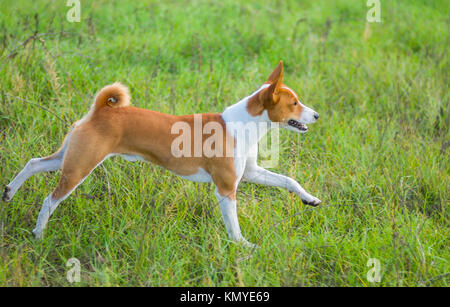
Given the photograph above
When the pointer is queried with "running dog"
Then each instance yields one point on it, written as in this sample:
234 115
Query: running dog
113 127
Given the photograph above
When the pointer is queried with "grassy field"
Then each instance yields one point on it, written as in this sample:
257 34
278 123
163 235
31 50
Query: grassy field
377 158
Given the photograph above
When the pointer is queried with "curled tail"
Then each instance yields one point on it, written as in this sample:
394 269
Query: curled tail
115 95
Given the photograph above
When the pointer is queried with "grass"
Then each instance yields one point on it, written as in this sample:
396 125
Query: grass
377 158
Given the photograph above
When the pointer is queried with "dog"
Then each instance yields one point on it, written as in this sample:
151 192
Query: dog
113 127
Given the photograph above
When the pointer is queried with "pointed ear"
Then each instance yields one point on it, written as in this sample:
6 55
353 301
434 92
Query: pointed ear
276 80
276 74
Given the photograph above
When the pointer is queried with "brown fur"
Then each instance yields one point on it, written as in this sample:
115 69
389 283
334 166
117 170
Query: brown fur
115 95
131 130
112 126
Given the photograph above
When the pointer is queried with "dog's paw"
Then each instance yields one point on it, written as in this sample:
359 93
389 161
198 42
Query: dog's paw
241 241
311 201
37 234
248 244
6 197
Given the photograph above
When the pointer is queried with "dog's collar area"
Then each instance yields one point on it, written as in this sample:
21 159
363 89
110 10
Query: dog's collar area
298 125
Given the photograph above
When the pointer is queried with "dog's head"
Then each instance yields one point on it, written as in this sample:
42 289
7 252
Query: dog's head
281 104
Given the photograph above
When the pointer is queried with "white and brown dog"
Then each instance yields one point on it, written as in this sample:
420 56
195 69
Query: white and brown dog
113 127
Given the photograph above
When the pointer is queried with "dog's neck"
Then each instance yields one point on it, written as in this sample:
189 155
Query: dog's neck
238 113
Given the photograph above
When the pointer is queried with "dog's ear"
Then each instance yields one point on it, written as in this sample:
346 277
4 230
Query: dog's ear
276 80
276 74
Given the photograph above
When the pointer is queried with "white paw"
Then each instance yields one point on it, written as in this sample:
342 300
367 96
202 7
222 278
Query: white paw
37 234
247 244
310 200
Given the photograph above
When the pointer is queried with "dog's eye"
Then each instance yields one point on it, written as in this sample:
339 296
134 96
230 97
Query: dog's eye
295 103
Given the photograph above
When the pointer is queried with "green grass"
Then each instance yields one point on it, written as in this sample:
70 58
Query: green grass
377 158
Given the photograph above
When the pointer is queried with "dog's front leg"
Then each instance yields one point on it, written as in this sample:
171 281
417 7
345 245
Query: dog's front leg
228 208
257 174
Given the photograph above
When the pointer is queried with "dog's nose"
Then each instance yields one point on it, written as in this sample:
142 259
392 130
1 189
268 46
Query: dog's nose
316 115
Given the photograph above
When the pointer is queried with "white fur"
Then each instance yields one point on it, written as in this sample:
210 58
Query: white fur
33 166
50 204
290 90
246 166
200 176
307 116
132 158
229 214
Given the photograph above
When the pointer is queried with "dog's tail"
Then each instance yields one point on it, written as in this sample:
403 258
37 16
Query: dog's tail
115 95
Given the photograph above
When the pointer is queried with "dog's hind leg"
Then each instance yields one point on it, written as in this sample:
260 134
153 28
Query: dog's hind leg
83 155
34 166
